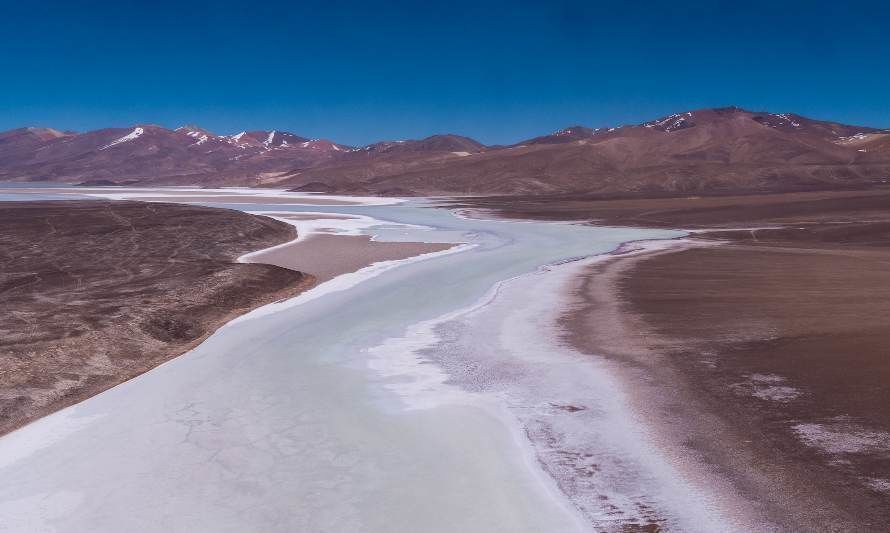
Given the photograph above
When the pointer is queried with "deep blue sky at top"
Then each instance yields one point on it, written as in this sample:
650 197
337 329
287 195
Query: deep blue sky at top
356 72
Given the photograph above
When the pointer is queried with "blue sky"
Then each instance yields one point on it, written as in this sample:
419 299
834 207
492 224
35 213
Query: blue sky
499 72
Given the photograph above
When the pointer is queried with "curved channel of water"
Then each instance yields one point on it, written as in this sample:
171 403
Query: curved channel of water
423 396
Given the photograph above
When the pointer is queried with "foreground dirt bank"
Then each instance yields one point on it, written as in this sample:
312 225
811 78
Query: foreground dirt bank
767 366
93 293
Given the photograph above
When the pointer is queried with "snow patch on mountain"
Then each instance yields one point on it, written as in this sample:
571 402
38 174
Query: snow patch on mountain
135 134
201 139
268 142
786 117
853 138
321 144
674 122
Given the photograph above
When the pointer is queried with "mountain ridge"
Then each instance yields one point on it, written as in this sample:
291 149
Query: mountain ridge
711 150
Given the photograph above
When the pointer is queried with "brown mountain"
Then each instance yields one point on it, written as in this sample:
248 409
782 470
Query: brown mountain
26 139
351 170
709 151
151 154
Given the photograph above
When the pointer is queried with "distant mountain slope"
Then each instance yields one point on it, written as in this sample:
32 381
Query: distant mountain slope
707 151
704 151
386 158
152 154
26 140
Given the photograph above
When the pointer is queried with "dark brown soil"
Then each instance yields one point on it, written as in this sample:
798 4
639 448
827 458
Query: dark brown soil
770 337
93 293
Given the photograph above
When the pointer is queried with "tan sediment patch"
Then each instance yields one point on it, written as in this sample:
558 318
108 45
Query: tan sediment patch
328 256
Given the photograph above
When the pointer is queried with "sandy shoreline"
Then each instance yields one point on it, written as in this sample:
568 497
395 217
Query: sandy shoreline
598 326
572 406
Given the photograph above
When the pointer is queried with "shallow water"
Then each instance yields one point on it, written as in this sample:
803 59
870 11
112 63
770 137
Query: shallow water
372 403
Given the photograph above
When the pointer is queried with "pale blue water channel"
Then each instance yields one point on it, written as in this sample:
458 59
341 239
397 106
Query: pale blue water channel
319 414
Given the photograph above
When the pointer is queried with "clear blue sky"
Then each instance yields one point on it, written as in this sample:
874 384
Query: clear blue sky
499 72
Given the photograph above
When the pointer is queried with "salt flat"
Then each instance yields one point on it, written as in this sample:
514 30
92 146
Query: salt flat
345 408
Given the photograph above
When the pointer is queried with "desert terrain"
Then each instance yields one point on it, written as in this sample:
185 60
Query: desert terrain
420 267
752 347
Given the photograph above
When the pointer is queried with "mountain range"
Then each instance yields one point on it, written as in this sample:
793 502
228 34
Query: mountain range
709 151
